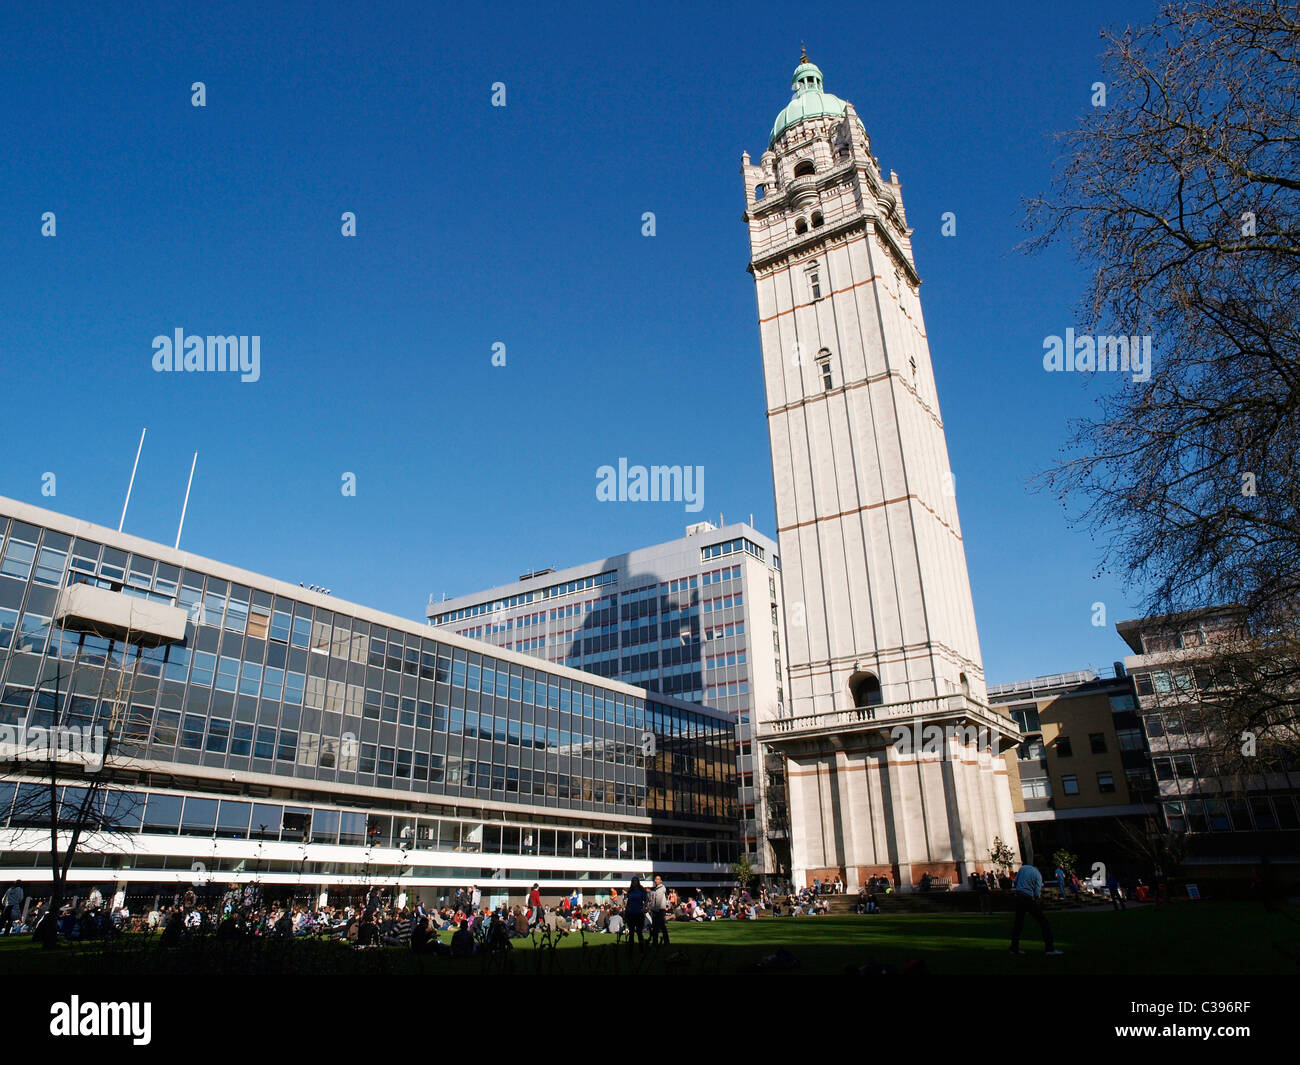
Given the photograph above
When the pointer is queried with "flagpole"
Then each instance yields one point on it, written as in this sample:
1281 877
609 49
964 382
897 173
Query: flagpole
138 449
185 505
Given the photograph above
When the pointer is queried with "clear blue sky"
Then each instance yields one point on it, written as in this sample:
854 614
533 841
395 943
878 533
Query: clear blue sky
519 225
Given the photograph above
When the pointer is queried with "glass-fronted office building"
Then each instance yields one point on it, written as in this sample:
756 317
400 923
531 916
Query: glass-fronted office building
257 731
699 618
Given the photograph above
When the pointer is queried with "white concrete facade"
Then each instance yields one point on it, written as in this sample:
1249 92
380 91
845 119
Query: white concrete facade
876 587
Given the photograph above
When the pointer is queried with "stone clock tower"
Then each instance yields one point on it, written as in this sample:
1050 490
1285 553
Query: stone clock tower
891 746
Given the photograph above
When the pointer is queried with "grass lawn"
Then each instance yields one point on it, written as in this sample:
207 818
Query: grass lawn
1206 937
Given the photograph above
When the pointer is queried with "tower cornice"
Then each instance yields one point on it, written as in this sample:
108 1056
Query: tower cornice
830 235
823 397
779 197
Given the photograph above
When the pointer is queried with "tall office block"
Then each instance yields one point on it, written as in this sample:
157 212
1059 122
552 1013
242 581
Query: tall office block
697 618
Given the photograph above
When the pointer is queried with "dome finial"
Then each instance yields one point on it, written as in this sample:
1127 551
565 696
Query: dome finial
803 53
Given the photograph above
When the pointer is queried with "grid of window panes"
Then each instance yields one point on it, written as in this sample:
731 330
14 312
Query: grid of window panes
684 635
728 547
554 590
661 636
270 684
1186 772
1240 813
155 812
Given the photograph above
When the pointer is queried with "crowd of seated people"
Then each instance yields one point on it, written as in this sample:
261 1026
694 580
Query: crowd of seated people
739 906
807 902
375 920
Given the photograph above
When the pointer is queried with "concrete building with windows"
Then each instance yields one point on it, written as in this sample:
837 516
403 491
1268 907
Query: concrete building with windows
253 731
697 618
1234 820
1081 767
880 622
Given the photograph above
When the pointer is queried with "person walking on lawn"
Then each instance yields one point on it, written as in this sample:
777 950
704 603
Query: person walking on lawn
1028 889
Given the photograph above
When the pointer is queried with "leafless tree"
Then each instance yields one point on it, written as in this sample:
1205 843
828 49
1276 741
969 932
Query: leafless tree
1182 196
95 813
1156 849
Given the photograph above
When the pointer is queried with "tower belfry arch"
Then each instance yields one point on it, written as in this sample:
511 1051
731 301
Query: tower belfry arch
873 562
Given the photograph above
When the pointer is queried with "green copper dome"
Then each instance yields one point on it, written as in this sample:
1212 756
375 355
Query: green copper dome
810 101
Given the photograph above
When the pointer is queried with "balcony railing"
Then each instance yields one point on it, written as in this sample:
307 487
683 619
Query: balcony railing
865 717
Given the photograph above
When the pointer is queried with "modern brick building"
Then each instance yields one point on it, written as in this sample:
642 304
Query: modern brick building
1081 767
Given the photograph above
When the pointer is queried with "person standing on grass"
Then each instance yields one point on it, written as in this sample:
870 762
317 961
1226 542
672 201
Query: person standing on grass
634 912
13 904
1116 895
534 906
659 913
1028 889
1060 881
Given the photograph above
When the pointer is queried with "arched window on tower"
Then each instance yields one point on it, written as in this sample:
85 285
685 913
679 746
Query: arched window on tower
801 225
817 219
824 368
865 690
760 191
814 281
804 168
